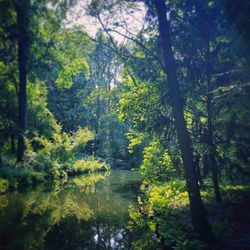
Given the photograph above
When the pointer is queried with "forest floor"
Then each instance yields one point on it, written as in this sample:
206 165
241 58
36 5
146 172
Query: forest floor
231 219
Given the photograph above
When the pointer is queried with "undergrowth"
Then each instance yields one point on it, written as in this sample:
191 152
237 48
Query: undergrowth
48 159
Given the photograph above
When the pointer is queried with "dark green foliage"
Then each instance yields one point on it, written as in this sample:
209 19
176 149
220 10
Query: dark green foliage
19 177
174 105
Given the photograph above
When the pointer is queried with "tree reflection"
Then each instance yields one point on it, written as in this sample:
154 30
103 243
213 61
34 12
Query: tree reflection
30 216
90 212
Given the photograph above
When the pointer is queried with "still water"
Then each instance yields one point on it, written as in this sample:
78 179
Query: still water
89 212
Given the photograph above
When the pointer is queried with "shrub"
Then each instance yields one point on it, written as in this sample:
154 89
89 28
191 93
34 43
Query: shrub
163 211
20 176
92 165
157 165
4 185
55 156
53 159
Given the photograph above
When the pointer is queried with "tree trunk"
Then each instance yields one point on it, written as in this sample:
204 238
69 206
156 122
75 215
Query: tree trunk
210 141
1 160
97 139
12 141
198 170
198 213
22 64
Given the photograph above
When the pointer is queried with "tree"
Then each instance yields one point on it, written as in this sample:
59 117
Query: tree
22 11
197 209
209 108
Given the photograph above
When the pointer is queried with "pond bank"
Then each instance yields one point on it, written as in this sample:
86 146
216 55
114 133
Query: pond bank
90 211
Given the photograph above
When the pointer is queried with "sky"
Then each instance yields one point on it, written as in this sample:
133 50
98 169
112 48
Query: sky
131 17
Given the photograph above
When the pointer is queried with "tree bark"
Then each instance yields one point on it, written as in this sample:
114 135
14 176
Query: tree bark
1 160
22 99
97 139
210 139
12 141
22 65
197 209
205 29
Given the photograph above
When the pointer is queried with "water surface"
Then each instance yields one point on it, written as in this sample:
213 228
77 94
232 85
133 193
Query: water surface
89 212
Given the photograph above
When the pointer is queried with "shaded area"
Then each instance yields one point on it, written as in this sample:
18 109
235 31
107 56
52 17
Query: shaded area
160 224
91 212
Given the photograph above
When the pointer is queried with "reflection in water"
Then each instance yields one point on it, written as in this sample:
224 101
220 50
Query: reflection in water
90 212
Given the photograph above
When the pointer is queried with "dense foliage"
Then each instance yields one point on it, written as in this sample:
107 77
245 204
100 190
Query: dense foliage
171 99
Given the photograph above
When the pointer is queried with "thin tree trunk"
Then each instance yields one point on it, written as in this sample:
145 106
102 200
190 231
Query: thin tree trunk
210 140
1 160
22 96
13 146
22 99
198 213
198 170
97 139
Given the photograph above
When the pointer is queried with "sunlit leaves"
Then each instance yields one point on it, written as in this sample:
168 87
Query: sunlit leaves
65 77
81 137
157 165
135 138
141 104
89 166
3 69
56 155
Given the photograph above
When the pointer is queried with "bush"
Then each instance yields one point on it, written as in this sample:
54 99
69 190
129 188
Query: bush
19 177
55 156
4 185
157 165
163 211
93 165
163 204
53 159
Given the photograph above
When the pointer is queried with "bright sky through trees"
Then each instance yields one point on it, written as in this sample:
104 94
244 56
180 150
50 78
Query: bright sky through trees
127 21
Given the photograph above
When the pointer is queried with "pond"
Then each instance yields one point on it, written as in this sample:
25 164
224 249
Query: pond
88 212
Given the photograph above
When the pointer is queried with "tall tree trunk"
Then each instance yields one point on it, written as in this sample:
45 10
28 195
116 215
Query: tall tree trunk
22 65
97 139
205 29
1 160
12 141
22 99
198 213
210 140
198 170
